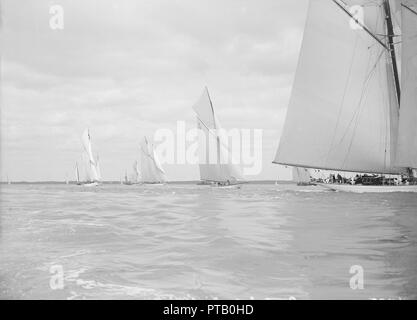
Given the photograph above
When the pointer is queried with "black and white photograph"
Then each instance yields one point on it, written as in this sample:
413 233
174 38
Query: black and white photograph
204 150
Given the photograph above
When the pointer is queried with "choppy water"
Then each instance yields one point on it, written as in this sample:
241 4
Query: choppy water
186 241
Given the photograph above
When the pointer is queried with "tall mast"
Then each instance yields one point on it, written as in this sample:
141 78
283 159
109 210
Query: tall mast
391 35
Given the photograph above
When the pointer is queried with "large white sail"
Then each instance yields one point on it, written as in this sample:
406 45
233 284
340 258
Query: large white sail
343 112
407 138
216 161
151 169
91 164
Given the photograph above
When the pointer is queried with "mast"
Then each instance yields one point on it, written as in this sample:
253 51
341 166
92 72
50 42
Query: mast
391 35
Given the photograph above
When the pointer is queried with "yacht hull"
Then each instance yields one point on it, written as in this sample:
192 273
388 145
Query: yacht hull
90 185
368 189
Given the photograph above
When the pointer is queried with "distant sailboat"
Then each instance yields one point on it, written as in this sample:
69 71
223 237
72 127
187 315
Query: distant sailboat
151 169
344 113
134 177
92 167
126 180
216 166
301 176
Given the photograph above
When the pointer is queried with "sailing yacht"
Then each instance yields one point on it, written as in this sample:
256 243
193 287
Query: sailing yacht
92 166
151 168
301 176
216 166
353 106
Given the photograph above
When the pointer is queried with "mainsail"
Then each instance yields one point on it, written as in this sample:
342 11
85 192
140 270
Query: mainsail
407 138
216 161
92 168
344 112
152 171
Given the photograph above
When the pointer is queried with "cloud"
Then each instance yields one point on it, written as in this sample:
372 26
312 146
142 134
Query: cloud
127 68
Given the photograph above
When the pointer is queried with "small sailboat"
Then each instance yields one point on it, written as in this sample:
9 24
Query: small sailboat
301 176
92 167
151 168
126 180
353 104
217 167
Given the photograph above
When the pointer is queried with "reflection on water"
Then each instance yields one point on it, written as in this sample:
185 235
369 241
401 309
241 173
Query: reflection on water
196 242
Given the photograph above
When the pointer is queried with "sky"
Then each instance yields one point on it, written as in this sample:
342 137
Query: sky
127 68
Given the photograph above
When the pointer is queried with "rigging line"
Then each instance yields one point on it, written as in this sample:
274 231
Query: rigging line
216 136
363 26
343 100
358 110
407 7
365 85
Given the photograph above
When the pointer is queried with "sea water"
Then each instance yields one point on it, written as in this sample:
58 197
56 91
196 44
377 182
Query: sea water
198 242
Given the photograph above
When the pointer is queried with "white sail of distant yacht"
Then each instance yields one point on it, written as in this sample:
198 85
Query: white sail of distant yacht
98 168
92 169
151 169
216 161
77 173
301 176
136 173
349 110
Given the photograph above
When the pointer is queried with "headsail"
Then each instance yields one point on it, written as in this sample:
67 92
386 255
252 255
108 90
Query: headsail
152 171
216 161
343 112
136 172
407 137
301 175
